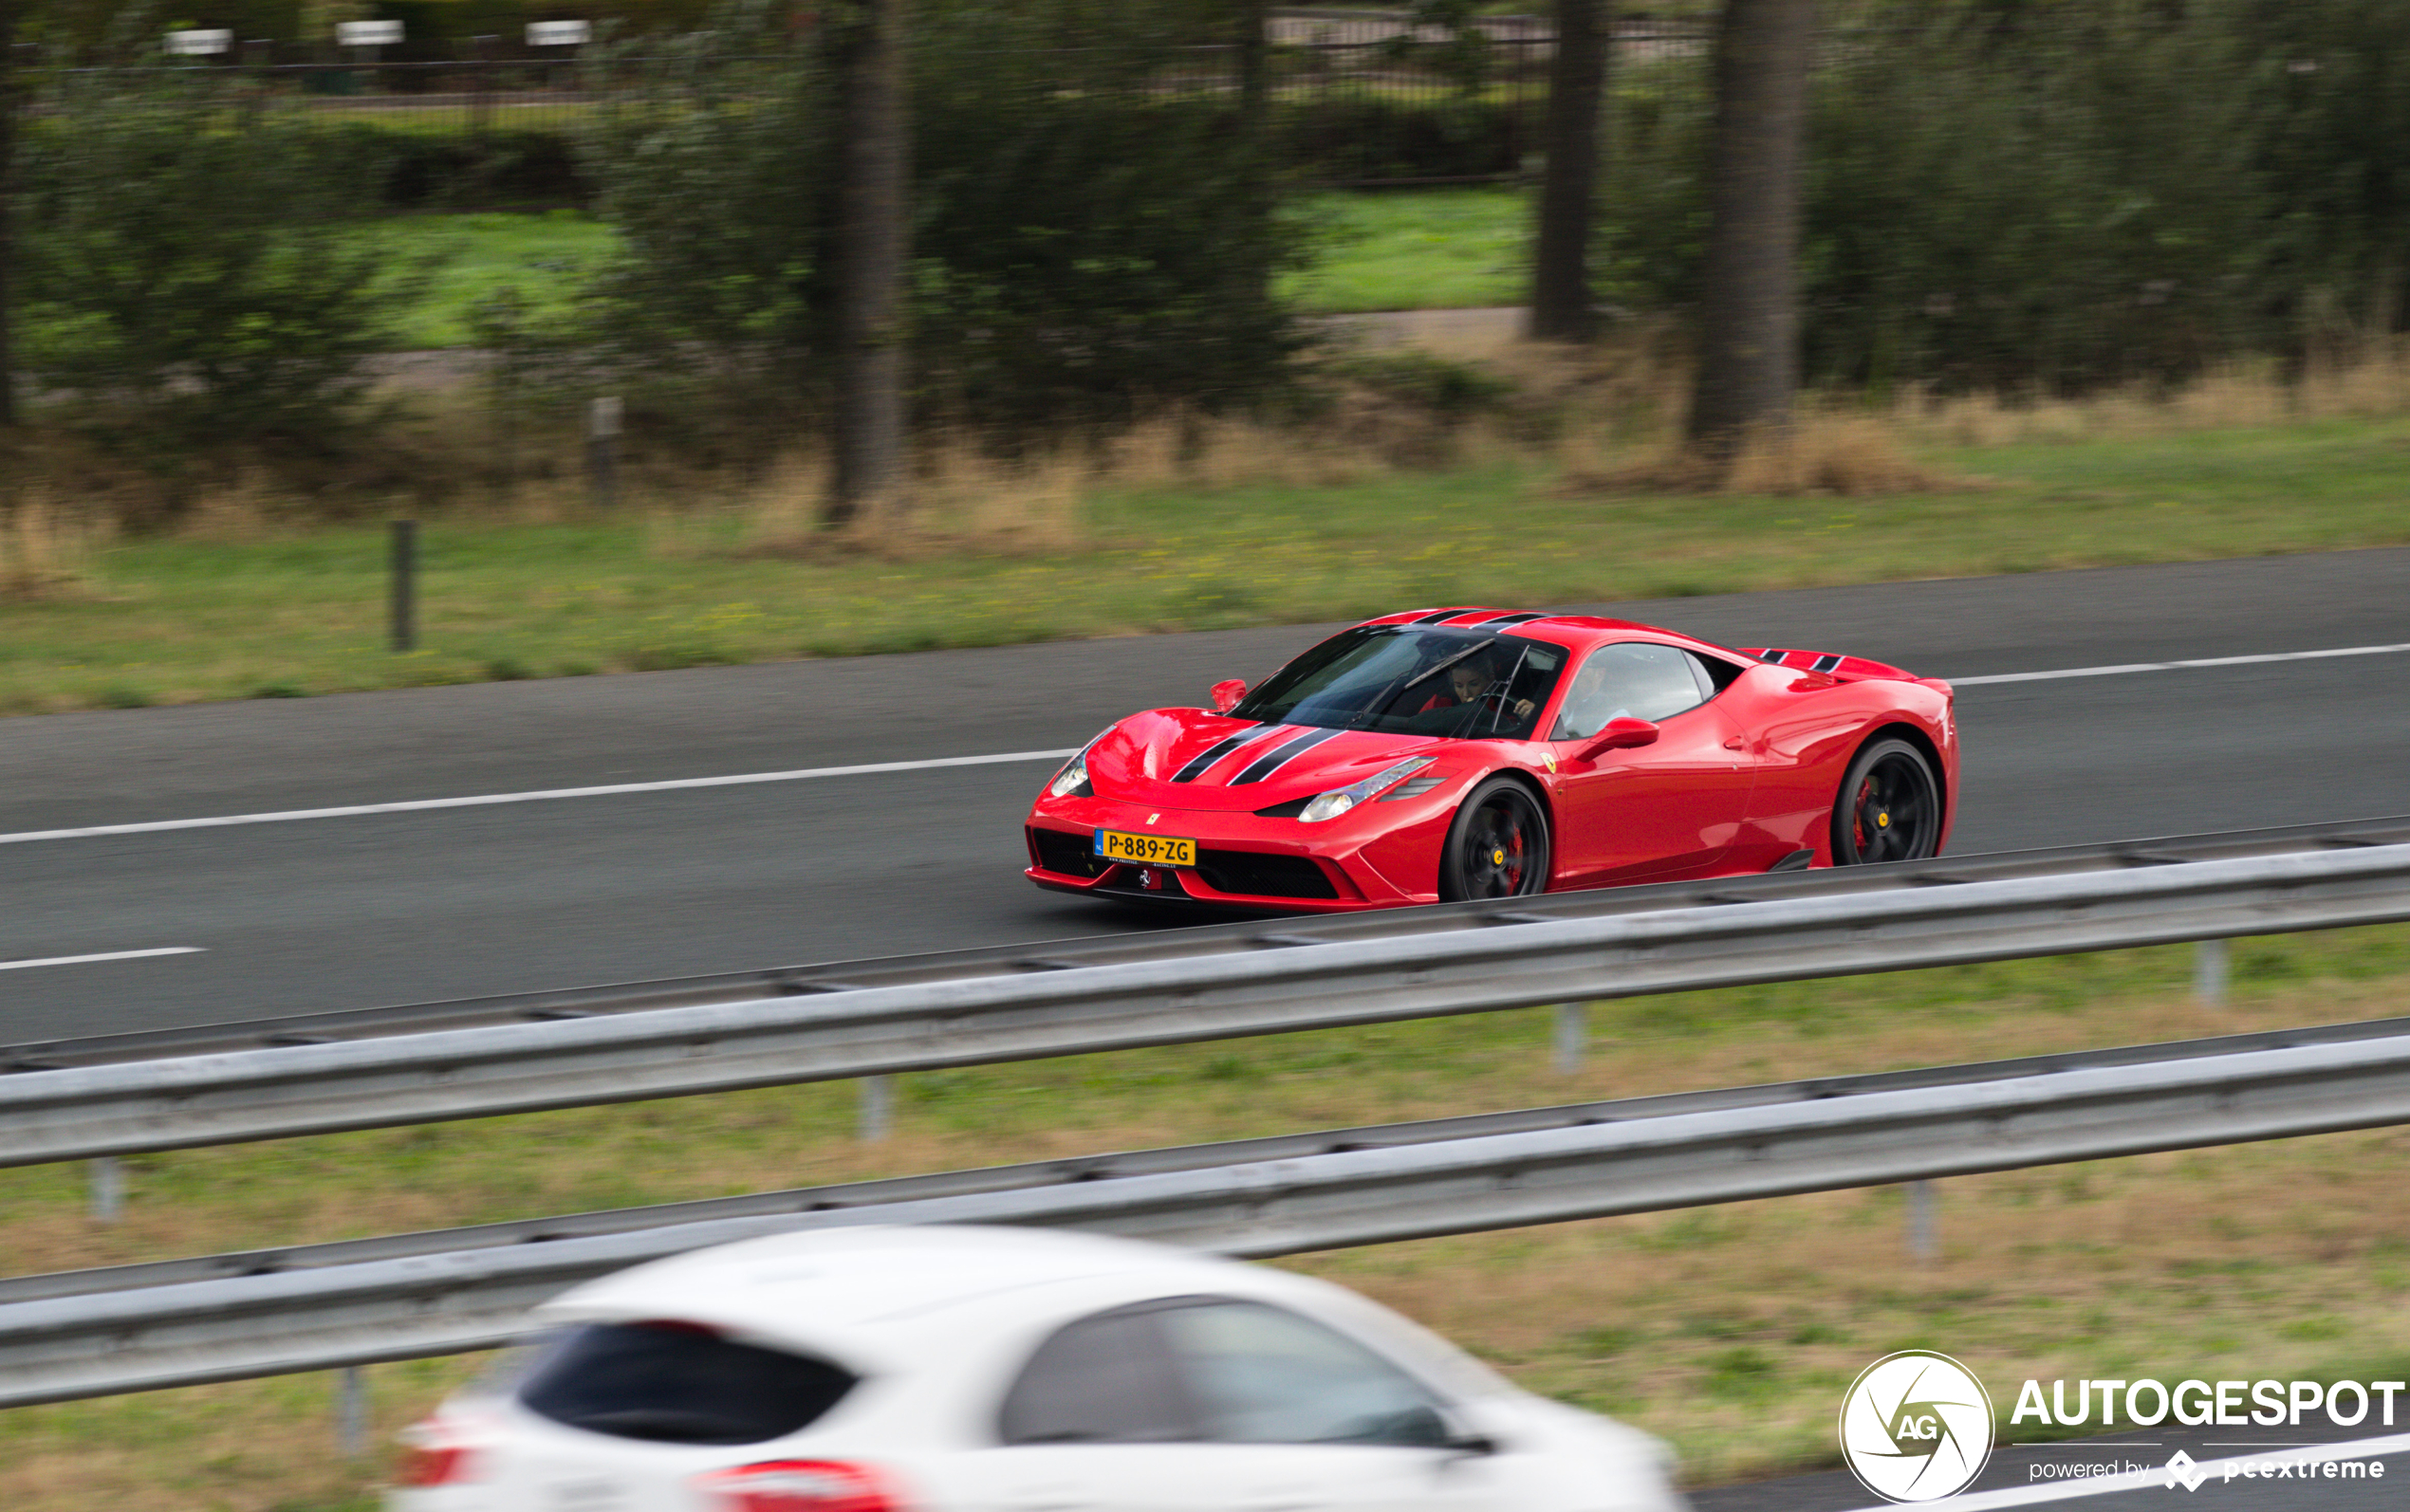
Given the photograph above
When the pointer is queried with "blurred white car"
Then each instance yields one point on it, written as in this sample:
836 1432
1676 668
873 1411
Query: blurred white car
992 1370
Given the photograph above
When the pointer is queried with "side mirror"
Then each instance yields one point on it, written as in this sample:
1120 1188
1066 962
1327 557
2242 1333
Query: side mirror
1227 693
1620 734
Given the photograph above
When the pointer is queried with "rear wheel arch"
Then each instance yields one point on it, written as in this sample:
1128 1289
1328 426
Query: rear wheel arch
1893 772
1899 730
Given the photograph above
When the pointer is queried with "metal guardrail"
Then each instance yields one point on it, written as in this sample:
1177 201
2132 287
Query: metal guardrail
1078 1169
101 1336
1414 963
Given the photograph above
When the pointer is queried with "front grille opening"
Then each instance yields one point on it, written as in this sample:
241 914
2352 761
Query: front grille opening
678 1383
1260 873
1072 854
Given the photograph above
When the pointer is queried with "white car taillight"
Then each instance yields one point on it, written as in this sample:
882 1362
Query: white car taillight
799 1485
434 1453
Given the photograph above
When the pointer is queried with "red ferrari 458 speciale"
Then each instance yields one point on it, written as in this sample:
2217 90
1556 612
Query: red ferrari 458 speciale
1473 753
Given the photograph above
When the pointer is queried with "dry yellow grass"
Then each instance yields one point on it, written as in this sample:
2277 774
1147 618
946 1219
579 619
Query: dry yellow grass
45 546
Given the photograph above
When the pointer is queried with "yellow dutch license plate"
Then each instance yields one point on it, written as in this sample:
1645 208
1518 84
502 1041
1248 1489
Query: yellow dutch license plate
1147 850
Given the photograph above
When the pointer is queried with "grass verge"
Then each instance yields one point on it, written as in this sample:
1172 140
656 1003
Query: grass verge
1731 1330
241 606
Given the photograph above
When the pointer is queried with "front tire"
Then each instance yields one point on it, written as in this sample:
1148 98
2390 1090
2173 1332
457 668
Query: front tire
1889 808
1498 846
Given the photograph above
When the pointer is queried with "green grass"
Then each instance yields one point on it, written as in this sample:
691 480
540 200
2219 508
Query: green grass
1423 250
167 619
1729 1330
1410 249
484 254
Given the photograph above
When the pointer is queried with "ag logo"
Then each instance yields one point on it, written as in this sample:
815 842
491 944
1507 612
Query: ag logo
1916 1427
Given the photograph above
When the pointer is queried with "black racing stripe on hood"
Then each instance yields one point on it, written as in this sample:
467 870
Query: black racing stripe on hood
1280 755
1511 619
1213 753
1824 663
1772 655
1437 615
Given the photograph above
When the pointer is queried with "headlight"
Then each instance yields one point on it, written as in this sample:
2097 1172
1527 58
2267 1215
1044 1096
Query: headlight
1073 780
1332 805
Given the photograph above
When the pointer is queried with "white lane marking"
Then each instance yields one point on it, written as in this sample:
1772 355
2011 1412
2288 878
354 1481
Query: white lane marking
485 800
2173 666
740 779
2156 1476
105 955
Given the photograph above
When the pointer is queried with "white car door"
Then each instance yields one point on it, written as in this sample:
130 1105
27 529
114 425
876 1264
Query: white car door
1211 1405
1312 1421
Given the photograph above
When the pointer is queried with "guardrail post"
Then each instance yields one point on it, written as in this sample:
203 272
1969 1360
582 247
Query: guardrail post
602 447
1572 1033
2209 972
351 1411
1925 1245
877 1109
405 573
108 1189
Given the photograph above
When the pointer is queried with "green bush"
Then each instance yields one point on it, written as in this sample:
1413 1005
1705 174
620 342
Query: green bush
1084 250
183 269
2054 198
1368 140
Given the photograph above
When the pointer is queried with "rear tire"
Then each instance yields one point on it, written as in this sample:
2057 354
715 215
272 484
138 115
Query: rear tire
1498 846
1889 808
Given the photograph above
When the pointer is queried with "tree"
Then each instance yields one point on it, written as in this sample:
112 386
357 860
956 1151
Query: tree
7 205
874 228
1749 316
1560 263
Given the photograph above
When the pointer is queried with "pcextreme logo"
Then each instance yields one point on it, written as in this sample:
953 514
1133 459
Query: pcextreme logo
1916 1427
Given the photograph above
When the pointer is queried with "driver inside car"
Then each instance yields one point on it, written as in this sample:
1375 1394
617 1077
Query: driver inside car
1469 682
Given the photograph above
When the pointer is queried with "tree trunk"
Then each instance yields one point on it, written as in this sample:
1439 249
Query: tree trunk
1561 262
1749 319
8 209
1254 67
873 233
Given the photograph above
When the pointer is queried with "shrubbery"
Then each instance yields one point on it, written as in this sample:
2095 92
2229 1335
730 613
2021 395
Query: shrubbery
1082 249
2056 197
184 267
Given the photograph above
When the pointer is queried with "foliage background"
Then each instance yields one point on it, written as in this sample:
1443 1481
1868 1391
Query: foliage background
2029 194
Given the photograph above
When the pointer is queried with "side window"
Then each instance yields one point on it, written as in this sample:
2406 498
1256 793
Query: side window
677 1383
1719 673
1106 1379
1631 680
1261 1375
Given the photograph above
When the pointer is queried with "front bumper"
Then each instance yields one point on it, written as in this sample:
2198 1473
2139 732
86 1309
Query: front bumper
1244 861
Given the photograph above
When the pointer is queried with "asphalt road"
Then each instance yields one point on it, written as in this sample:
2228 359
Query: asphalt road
349 911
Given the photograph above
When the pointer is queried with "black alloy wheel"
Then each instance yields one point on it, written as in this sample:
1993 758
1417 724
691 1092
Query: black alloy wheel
1890 807
1498 846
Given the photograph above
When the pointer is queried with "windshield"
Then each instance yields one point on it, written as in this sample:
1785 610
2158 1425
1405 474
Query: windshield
1403 680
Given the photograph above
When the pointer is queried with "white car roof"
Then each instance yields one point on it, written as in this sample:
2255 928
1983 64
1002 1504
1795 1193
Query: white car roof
883 1295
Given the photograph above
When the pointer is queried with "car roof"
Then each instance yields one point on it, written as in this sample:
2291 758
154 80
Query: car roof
879 1297
1569 630
855 1281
